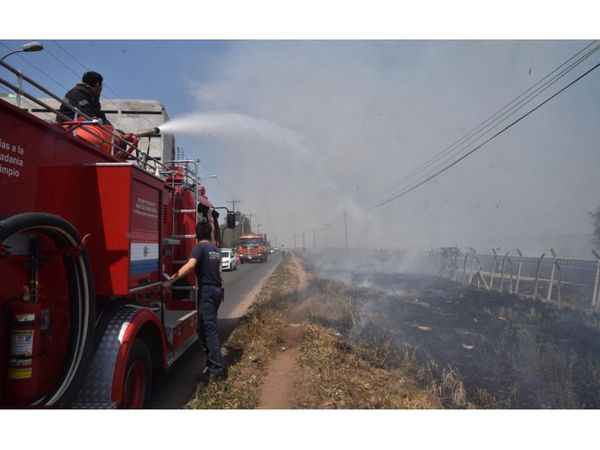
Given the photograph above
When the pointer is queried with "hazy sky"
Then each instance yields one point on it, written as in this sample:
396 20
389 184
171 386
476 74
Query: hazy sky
300 131
374 111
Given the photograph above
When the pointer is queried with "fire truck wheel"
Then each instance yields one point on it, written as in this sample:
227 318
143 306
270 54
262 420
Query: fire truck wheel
138 376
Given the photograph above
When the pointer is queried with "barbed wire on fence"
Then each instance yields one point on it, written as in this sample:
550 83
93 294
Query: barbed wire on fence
554 278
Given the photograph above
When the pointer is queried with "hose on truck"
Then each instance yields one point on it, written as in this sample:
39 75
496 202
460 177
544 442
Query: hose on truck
81 299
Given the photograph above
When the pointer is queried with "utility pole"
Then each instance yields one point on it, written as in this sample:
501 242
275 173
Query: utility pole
314 239
346 228
303 242
249 216
294 241
233 202
258 227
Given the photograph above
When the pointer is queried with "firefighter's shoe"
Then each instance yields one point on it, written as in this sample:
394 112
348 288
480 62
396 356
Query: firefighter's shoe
203 377
207 377
221 376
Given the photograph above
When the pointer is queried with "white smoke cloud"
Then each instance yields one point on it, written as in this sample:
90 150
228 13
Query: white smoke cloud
371 112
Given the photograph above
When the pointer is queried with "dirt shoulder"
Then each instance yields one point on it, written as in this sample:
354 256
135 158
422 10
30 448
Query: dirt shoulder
283 354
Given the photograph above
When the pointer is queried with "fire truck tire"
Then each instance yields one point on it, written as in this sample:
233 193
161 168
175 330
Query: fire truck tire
81 299
137 383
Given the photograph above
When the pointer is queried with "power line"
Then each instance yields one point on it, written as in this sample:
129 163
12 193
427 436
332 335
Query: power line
70 54
406 191
498 117
233 202
61 62
288 216
333 222
217 183
459 150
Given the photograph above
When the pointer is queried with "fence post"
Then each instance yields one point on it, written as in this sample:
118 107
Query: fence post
464 278
480 278
444 262
537 275
472 264
502 274
558 279
519 271
454 262
493 274
551 282
595 294
512 273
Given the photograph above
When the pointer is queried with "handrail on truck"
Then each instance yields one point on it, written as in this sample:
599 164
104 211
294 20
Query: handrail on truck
145 162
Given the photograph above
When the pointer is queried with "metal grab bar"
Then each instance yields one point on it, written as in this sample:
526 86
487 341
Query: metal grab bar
19 91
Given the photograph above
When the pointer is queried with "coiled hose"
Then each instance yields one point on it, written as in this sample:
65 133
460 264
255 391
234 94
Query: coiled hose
81 299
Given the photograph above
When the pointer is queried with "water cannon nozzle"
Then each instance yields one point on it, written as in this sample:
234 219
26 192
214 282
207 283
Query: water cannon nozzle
154 132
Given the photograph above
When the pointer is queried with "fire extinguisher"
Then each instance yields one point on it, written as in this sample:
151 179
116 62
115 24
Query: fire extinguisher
23 377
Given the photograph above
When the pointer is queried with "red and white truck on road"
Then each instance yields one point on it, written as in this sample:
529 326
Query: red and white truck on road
253 247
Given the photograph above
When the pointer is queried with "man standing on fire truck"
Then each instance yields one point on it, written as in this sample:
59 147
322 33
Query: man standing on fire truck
85 96
206 259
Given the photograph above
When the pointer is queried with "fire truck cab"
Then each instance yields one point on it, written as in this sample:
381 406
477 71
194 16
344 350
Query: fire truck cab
89 225
253 247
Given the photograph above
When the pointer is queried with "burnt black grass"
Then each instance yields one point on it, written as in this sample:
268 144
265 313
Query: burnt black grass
491 350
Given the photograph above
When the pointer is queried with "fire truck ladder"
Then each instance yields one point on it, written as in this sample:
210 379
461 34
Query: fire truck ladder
190 176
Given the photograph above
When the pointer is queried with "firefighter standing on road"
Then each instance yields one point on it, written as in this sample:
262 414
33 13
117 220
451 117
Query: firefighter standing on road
206 259
85 96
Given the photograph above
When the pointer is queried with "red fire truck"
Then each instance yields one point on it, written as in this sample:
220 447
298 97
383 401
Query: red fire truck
89 224
253 247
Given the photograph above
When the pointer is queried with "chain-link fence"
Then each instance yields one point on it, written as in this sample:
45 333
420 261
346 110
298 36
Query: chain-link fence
547 276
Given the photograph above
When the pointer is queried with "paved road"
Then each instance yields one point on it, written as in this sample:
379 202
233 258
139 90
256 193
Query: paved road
173 389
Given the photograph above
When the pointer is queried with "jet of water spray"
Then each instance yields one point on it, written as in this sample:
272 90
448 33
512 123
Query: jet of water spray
232 124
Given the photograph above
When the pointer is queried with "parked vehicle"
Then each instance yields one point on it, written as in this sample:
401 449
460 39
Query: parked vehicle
228 259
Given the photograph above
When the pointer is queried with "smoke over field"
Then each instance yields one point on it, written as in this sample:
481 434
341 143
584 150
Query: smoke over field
481 348
373 112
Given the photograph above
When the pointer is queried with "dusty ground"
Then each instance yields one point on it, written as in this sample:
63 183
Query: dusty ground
283 372
282 357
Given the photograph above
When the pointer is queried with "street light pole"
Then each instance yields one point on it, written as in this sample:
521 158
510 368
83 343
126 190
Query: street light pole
29 47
